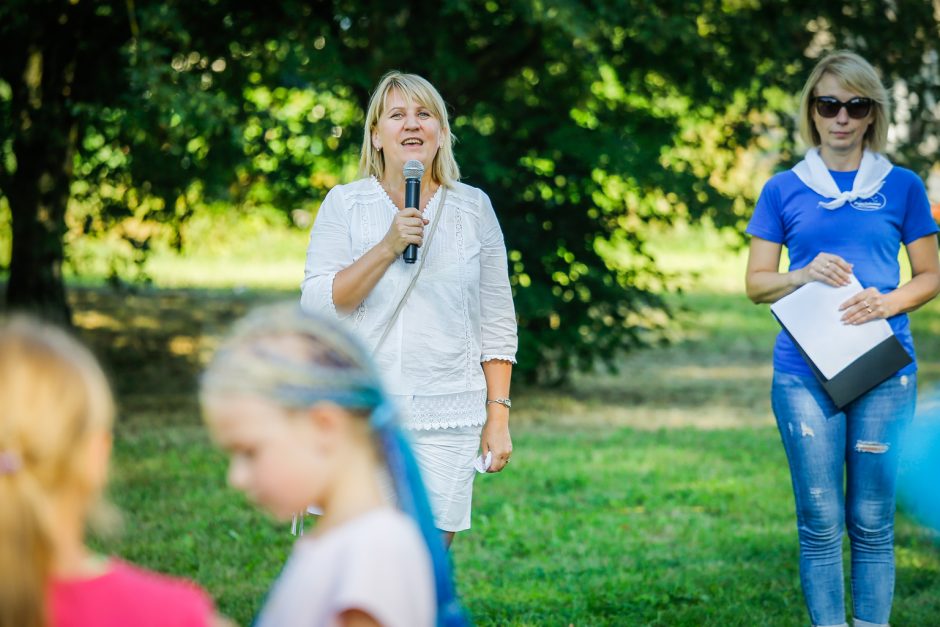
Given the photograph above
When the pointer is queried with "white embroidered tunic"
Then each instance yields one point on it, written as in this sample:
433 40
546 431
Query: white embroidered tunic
459 314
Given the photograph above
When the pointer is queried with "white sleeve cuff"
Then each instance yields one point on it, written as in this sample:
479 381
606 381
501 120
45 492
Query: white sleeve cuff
509 358
317 296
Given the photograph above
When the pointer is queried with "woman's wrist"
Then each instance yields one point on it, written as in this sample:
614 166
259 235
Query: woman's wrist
798 278
496 412
386 251
891 304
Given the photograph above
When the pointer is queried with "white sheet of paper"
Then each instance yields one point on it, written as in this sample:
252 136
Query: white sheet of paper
811 315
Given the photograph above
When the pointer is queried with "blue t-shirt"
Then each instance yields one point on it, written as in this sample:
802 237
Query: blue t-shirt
867 233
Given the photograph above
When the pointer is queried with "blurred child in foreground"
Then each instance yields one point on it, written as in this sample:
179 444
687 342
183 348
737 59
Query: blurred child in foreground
297 404
56 412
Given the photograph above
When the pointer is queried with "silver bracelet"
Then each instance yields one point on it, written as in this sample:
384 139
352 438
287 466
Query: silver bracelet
502 401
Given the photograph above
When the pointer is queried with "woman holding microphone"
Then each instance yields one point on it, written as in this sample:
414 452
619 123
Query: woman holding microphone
442 330
843 211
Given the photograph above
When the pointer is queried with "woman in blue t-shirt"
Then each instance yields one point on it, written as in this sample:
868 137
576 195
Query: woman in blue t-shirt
844 210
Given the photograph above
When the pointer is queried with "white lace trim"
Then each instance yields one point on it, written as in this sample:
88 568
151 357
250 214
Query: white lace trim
360 313
444 411
391 204
365 245
464 306
509 358
332 277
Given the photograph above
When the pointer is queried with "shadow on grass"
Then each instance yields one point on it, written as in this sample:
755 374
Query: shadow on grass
715 374
155 342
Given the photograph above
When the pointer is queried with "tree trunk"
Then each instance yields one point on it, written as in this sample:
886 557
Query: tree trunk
45 133
38 198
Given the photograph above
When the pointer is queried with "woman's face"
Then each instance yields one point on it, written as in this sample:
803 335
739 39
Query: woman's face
281 462
406 130
841 133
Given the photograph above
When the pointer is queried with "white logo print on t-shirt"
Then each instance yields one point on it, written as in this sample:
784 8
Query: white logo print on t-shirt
873 203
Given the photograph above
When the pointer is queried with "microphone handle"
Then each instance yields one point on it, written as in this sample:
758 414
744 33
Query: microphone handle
412 196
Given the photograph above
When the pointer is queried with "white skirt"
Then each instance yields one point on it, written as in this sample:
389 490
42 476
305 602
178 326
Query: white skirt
445 457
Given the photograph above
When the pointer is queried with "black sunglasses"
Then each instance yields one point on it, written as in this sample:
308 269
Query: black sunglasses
828 107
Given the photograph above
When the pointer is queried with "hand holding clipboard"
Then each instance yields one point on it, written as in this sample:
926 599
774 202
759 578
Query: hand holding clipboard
847 359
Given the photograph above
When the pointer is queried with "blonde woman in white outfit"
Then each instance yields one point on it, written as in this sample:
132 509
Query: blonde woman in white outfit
447 357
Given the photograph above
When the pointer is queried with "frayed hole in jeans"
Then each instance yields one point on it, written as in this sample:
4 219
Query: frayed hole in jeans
870 447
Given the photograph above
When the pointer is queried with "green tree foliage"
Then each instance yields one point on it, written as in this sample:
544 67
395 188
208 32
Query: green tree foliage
586 122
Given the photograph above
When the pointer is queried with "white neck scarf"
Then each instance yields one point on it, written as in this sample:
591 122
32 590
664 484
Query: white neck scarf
815 175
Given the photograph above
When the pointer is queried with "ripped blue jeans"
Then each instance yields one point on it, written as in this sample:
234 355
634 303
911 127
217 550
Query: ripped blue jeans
857 448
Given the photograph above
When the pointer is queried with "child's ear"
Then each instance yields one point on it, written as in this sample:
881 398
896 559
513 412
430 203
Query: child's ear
327 419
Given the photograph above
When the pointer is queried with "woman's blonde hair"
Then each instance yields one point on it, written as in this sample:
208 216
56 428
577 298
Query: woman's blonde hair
854 74
54 396
414 89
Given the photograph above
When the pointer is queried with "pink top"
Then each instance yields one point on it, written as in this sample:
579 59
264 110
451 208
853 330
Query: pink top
377 563
128 595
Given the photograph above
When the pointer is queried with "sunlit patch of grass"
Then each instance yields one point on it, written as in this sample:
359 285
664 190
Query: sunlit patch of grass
178 272
183 345
94 320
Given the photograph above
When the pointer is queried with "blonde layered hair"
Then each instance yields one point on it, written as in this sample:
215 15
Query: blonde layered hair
854 74
54 398
414 89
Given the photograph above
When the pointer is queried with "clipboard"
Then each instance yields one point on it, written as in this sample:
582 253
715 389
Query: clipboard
873 367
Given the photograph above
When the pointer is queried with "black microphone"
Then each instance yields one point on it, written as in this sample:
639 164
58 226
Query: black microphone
413 172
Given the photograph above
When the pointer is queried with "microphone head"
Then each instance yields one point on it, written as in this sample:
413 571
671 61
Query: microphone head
413 169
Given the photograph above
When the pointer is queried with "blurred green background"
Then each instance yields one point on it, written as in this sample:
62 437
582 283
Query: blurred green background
132 129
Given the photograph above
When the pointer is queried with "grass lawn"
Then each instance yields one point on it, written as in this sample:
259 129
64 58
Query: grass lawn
655 496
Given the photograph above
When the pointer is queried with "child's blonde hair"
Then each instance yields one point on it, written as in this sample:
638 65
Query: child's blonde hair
855 74
413 88
283 355
295 360
54 397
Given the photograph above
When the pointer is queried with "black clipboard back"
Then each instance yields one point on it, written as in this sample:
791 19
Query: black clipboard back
863 374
